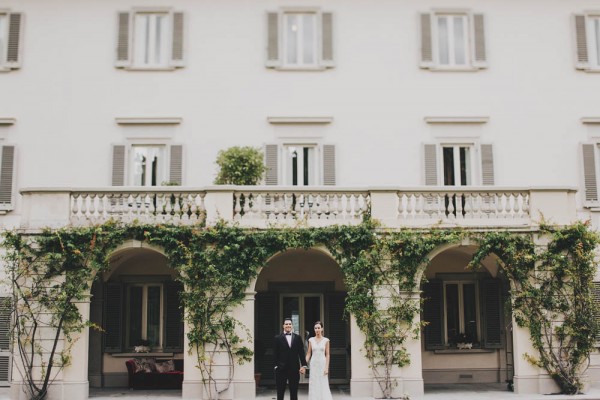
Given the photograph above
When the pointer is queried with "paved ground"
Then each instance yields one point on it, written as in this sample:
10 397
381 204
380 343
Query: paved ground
433 392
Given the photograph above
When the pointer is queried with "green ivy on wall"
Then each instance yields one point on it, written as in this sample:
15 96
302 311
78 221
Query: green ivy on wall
216 264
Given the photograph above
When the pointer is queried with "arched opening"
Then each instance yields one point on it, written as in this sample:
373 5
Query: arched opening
468 336
136 302
305 285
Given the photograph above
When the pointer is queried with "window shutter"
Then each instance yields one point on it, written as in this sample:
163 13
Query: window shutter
173 317
329 165
430 158
15 34
433 313
492 309
7 177
487 165
337 333
118 165
5 342
426 42
479 56
113 319
177 48
272 164
596 295
327 37
123 57
589 172
581 42
176 164
266 326
272 39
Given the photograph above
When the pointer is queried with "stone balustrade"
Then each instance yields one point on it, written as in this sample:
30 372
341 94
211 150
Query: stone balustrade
261 206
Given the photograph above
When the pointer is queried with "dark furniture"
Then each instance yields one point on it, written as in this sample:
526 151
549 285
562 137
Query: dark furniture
155 380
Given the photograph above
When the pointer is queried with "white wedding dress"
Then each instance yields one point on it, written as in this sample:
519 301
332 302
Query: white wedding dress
318 382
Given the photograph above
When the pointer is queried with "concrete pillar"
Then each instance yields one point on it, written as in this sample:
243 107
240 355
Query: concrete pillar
75 384
244 385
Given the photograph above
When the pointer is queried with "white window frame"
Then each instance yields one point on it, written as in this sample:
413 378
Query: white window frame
593 40
163 168
144 327
314 16
461 315
318 62
451 53
135 63
473 162
5 16
317 163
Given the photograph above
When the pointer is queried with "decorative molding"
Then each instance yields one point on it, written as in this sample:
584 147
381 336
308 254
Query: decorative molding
300 120
7 121
148 121
457 120
590 120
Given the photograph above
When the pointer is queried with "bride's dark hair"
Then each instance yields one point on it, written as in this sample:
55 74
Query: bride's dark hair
320 323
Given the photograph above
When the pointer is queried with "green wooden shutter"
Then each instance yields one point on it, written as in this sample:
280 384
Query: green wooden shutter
15 35
177 59
272 39
492 313
479 50
433 314
327 39
487 165
426 41
118 165
329 165
336 329
123 56
589 171
176 164
173 318
266 326
113 317
7 165
581 46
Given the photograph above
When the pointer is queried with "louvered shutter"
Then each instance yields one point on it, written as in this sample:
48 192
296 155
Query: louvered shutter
5 342
426 41
173 319
113 317
15 36
272 164
487 165
479 50
7 165
118 165
123 56
266 326
581 42
589 171
430 164
177 47
492 313
176 165
272 39
433 314
327 39
596 295
337 332
329 164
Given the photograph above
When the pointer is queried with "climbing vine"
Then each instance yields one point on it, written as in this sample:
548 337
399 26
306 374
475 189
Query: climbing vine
381 273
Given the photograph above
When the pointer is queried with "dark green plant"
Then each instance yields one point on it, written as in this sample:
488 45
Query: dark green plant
240 166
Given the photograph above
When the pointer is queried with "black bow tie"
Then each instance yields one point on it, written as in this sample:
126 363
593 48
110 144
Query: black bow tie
287 334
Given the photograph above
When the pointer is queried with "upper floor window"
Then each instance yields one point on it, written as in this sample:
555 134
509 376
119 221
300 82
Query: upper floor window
453 40
456 164
10 38
587 36
150 39
300 164
300 39
146 164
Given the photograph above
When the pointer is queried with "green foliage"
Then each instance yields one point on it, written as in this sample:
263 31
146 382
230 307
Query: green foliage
240 166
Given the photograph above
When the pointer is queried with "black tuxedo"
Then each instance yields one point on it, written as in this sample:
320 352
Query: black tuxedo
288 360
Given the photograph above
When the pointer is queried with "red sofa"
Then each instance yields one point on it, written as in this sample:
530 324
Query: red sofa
144 374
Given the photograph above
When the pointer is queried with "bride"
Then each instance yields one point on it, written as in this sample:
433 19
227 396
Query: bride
318 359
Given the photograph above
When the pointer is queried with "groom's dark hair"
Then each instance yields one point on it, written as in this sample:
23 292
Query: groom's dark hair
288 319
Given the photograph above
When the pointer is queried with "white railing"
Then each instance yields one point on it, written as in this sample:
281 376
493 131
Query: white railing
147 206
462 204
282 204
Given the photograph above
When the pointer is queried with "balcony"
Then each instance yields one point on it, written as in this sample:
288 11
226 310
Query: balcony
263 206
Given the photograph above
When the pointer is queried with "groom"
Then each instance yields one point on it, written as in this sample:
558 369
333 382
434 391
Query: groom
290 361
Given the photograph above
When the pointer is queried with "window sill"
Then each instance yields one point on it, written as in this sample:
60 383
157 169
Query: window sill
464 351
300 68
149 68
134 355
452 69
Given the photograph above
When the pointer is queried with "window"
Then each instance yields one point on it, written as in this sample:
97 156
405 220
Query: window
10 36
587 37
453 40
463 308
147 164
144 315
300 39
150 39
457 165
300 165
